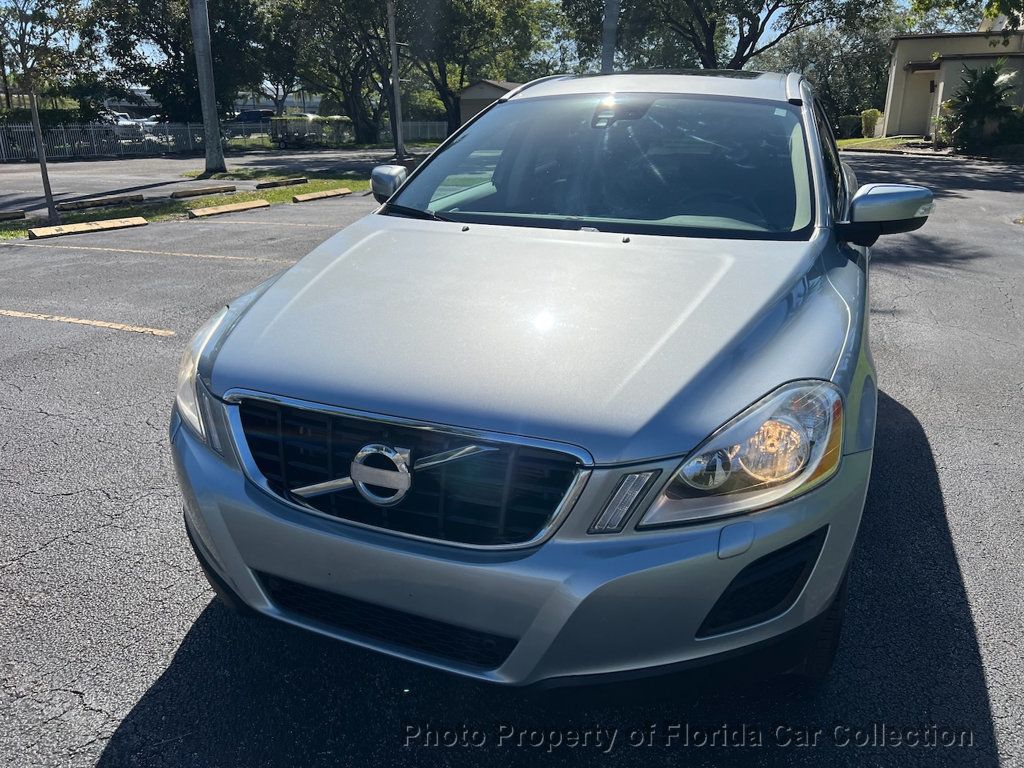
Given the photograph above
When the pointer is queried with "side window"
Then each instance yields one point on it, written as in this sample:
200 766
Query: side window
833 166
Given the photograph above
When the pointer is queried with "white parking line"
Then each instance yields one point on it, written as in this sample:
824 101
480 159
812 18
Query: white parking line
144 252
81 321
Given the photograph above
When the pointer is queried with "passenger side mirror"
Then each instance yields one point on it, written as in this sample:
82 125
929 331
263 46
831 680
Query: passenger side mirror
885 209
385 179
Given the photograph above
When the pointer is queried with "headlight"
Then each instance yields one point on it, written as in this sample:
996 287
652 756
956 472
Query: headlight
187 397
782 446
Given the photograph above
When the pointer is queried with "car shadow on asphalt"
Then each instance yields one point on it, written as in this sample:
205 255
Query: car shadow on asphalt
250 692
946 177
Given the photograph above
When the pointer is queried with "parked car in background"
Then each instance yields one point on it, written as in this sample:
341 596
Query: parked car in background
124 126
589 395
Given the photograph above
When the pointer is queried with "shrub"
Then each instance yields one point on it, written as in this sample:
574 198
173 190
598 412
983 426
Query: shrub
1011 131
849 126
868 121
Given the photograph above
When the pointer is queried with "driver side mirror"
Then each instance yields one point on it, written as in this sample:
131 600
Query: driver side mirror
885 209
385 179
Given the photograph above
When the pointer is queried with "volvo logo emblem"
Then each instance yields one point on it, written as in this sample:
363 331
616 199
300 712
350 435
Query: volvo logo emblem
398 480
390 470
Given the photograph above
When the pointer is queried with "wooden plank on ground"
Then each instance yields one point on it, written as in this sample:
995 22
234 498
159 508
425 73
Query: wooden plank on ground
198 213
97 202
39 233
321 195
11 215
282 183
197 191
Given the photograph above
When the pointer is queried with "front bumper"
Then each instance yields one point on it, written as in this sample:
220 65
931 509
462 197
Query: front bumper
577 605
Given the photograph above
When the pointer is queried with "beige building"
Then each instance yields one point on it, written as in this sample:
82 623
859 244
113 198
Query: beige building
480 94
927 69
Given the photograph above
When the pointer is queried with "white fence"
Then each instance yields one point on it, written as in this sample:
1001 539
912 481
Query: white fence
103 140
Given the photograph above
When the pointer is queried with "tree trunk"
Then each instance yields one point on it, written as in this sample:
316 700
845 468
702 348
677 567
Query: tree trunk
207 91
364 126
3 77
37 131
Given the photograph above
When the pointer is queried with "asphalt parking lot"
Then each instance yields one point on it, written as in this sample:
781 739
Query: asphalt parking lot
113 653
21 188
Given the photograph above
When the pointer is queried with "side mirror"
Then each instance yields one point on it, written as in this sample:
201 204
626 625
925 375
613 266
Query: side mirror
385 179
885 209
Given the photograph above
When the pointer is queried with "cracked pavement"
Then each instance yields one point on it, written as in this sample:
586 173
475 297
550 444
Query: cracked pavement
113 653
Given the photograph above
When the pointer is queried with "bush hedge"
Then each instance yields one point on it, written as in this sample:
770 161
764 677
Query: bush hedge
849 127
49 117
868 121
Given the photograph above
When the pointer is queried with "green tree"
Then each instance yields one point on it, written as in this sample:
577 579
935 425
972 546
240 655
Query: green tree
454 42
43 42
150 43
283 32
714 34
965 14
346 57
848 64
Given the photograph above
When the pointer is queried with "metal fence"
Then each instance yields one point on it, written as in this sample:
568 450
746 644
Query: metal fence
139 139
413 130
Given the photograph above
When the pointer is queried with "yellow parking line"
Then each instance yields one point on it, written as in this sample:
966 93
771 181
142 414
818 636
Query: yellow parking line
248 222
80 321
148 253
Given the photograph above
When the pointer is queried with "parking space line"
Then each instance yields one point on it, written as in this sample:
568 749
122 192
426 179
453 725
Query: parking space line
73 247
81 321
250 222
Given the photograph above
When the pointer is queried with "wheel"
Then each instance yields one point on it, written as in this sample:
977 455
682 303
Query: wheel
824 642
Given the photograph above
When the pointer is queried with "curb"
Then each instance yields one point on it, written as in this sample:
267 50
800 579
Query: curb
98 202
321 195
41 233
199 191
11 215
216 210
282 183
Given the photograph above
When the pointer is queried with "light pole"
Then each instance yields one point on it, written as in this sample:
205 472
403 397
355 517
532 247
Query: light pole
608 33
207 91
395 86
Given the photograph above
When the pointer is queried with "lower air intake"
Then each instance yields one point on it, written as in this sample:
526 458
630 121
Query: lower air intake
766 588
379 623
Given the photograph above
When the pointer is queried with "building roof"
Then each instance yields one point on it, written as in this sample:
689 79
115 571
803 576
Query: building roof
740 83
941 35
502 85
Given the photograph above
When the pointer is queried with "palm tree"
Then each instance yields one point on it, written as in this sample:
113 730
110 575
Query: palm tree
984 95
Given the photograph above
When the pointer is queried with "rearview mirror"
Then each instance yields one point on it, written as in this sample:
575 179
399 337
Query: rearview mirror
385 179
885 209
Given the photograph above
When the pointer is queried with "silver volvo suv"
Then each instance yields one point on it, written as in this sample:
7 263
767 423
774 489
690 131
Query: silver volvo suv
589 395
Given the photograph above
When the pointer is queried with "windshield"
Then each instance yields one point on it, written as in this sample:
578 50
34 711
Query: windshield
643 163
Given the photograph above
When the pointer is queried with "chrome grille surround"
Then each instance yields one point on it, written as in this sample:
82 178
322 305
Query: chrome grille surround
583 462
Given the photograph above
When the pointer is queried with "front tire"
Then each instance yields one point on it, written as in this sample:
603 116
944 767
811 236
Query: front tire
823 644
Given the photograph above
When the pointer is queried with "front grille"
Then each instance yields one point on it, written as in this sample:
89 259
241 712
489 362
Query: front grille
505 496
765 588
377 622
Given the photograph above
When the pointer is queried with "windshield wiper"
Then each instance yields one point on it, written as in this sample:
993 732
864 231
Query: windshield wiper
414 213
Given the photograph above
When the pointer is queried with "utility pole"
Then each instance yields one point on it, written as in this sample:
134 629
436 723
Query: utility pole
396 118
207 91
608 33
37 132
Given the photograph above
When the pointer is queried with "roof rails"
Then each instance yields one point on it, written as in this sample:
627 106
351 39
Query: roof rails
521 88
793 80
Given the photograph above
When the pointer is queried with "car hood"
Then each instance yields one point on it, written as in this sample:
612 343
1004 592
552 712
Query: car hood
629 348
